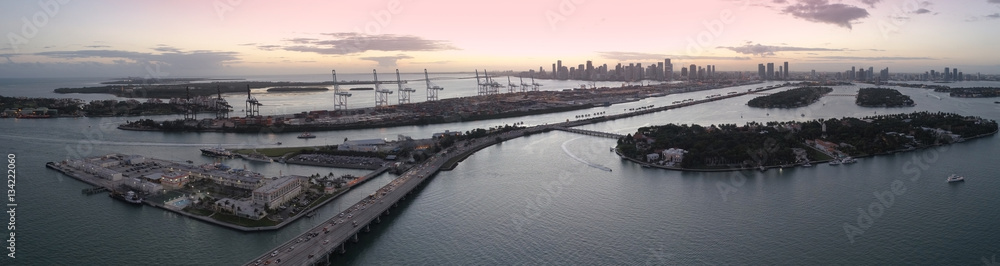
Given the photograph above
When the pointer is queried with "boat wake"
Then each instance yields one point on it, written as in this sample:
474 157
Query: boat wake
594 165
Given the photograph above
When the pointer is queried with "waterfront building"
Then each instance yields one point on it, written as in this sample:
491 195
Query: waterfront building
242 208
369 145
770 71
174 180
785 73
279 191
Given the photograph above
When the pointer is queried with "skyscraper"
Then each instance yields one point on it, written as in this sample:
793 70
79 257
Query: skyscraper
785 73
954 75
760 72
947 73
770 71
693 72
668 69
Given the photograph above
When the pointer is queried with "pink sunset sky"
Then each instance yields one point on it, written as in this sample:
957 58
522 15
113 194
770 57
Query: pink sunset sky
53 38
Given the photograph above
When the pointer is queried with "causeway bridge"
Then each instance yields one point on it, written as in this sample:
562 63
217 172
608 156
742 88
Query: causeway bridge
590 132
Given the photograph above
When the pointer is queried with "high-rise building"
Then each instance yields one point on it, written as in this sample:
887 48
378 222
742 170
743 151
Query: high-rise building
554 71
853 75
781 72
693 72
590 70
954 75
770 71
812 74
871 73
947 74
684 72
784 74
668 69
760 72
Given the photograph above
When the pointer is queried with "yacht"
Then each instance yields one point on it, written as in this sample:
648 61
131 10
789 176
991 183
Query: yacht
848 160
129 197
217 152
807 164
306 135
835 162
955 178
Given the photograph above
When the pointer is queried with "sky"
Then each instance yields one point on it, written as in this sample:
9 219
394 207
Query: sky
117 38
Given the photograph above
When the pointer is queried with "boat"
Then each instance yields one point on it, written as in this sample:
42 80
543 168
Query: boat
278 143
955 178
129 197
848 160
361 89
306 135
807 164
189 161
217 152
257 157
311 214
835 162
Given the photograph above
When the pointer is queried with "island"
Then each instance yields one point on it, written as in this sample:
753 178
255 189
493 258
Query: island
449 110
779 144
882 97
793 98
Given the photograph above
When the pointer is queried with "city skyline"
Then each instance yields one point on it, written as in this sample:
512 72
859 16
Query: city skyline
120 38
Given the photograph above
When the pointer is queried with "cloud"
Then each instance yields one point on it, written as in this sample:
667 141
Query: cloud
823 12
344 43
97 46
878 58
988 17
169 56
387 61
766 50
634 56
921 11
993 1
871 3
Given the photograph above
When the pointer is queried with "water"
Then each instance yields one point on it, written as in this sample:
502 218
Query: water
539 200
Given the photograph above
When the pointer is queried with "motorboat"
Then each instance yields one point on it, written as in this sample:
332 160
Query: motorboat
955 178
307 135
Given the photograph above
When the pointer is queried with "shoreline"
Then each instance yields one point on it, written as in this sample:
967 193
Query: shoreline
814 163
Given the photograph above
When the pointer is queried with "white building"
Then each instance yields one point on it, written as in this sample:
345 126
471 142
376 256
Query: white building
241 208
367 145
279 191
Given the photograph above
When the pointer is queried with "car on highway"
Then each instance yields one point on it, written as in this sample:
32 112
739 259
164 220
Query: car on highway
275 253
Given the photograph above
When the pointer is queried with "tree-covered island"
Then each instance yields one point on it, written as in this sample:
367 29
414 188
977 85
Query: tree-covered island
793 98
732 147
882 97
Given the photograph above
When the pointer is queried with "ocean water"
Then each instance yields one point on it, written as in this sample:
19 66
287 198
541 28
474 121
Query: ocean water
532 201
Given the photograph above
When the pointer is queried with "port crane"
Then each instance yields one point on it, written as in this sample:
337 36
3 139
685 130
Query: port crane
340 100
381 95
252 105
404 93
511 88
222 107
432 91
